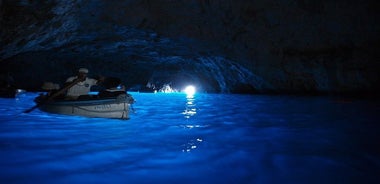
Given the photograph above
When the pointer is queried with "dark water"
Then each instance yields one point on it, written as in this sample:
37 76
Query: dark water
210 138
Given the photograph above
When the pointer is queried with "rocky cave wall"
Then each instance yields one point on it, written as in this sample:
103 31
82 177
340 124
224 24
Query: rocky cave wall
304 46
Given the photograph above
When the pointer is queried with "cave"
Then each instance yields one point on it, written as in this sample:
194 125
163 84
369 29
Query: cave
250 47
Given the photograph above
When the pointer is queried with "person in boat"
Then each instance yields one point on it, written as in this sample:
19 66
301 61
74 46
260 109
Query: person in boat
82 87
114 87
50 88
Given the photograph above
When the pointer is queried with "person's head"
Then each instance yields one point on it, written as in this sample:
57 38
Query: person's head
48 86
82 72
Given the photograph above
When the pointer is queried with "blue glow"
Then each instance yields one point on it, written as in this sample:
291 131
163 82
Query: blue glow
219 138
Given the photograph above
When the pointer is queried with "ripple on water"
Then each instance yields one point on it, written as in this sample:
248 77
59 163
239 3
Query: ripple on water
210 138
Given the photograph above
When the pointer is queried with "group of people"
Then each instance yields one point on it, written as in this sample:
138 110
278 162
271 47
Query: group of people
79 86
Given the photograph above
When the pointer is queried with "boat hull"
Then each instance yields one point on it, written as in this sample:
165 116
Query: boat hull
117 108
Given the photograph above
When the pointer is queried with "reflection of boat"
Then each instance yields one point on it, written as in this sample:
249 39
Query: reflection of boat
10 92
116 107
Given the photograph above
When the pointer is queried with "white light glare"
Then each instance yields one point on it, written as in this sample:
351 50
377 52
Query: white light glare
190 90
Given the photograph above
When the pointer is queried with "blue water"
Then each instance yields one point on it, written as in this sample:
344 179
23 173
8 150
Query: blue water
209 138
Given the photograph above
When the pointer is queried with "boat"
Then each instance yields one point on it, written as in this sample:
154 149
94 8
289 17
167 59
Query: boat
111 107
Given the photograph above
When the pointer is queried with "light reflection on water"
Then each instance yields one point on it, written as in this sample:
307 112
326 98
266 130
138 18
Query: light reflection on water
190 107
207 138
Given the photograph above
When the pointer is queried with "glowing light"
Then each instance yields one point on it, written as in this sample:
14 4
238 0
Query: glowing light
190 90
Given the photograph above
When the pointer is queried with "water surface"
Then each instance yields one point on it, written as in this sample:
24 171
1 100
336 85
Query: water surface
208 138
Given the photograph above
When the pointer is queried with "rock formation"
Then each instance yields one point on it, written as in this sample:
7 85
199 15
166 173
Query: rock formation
239 46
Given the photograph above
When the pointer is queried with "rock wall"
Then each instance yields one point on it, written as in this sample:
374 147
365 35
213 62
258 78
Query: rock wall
303 46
